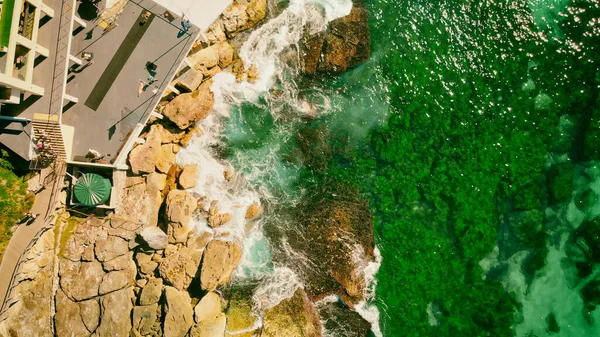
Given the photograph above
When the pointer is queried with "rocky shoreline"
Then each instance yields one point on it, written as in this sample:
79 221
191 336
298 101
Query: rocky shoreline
141 271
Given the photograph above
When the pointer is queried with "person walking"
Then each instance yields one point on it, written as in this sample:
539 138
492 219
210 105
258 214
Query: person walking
185 23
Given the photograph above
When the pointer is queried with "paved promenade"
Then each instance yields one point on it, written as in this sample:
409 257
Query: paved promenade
21 239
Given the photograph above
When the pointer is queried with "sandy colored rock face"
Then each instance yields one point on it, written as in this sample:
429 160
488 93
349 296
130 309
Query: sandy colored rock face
253 211
110 248
186 109
210 328
155 238
178 313
68 320
189 176
151 293
143 318
166 157
180 206
116 313
220 260
179 269
293 317
80 280
118 279
208 308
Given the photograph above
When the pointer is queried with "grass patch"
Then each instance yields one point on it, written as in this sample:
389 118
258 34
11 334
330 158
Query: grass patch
15 201
67 231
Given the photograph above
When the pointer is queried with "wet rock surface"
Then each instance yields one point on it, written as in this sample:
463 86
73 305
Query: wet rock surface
345 44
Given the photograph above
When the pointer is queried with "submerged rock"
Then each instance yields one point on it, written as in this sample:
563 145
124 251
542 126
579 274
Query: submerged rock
343 321
214 327
345 44
293 317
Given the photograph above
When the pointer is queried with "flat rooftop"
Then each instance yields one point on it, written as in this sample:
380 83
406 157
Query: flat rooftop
108 106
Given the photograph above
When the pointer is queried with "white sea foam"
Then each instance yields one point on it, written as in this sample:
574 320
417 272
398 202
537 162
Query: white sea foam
262 49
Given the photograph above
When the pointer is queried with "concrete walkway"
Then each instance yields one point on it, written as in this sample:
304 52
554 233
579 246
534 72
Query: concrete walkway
23 236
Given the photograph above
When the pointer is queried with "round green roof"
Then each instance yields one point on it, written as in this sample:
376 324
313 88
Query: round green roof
92 189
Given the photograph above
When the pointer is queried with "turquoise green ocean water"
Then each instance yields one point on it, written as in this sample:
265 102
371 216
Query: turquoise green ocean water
472 132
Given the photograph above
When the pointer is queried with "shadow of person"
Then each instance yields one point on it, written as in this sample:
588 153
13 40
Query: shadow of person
181 33
87 10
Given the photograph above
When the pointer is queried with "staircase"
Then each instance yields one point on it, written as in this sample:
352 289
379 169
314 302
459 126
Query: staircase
49 131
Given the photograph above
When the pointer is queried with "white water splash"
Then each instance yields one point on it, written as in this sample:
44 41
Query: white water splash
263 49
367 307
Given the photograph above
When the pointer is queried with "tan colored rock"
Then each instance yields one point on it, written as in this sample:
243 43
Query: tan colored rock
210 328
179 269
145 264
253 211
187 109
293 317
190 80
217 220
225 51
118 279
169 133
166 157
242 15
156 181
189 176
198 242
215 32
80 280
116 313
178 313
119 263
143 156
90 314
193 131
155 238
180 206
144 318
208 308
139 206
150 294
205 58
88 253
210 72
110 248
68 320
220 260
228 174
172 177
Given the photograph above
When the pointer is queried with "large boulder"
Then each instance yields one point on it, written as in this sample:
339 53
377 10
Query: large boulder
293 317
186 109
166 157
179 269
242 15
140 203
214 327
142 158
208 308
220 260
155 238
180 206
345 44
178 313
189 176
